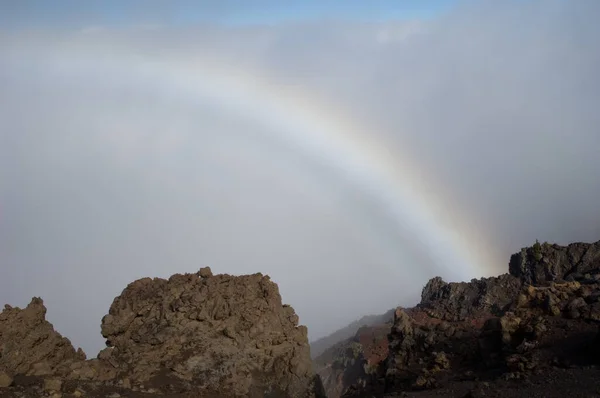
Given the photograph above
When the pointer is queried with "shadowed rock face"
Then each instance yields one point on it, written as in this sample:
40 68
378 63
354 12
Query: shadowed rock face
544 263
460 301
193 334
476 338
354 361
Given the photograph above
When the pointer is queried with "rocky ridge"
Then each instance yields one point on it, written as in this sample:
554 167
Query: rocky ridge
195 335
520 334
530 333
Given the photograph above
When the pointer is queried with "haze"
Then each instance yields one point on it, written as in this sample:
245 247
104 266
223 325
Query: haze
107 177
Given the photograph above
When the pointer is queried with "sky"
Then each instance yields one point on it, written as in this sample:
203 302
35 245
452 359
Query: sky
350 152
72 13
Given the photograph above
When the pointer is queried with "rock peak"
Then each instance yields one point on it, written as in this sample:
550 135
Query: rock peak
213 335
205 272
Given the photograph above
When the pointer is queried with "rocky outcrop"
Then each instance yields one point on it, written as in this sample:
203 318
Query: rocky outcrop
517 327
193 334
421 342
544 263
216 333
355 361
460 301
29 345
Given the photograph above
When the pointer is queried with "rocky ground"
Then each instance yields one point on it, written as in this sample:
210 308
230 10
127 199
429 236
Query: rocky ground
193 335
530 333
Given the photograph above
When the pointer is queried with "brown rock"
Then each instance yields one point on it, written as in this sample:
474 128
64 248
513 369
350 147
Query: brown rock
41 369
459 301
205 272
441 360
30 345
220 333
52 385
5 379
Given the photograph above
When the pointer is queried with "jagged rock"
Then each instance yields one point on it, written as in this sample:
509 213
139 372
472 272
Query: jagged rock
198 334
459 301
402 344
29 344
543 263
514 323
223 334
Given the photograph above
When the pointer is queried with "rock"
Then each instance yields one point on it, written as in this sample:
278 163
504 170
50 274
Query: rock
574 307
41 369
30 345
459 301
441 360
511 326
52 385
227 334
421 382
219 335
352 364
205 272
5 379
543 263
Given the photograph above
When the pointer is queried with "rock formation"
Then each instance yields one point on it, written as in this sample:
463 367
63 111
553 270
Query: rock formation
530 333
354 361
28 343
543 263
193 334
510 335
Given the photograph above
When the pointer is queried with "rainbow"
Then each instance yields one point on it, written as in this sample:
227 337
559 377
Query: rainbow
310 124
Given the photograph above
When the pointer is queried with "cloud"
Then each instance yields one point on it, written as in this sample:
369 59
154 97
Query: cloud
104 179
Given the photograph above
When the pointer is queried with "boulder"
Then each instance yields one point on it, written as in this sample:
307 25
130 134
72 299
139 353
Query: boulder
221 333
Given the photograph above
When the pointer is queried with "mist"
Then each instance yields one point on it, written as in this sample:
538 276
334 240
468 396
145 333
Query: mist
105 178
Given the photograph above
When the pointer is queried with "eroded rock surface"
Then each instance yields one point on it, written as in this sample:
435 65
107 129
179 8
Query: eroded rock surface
196 335
354 362
29 344
512 335
543 263
222 333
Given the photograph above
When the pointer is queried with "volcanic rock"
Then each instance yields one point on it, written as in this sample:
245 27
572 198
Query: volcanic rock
514 328
5 379
459 301
222 334
543 263
353 363
196 335
29 344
